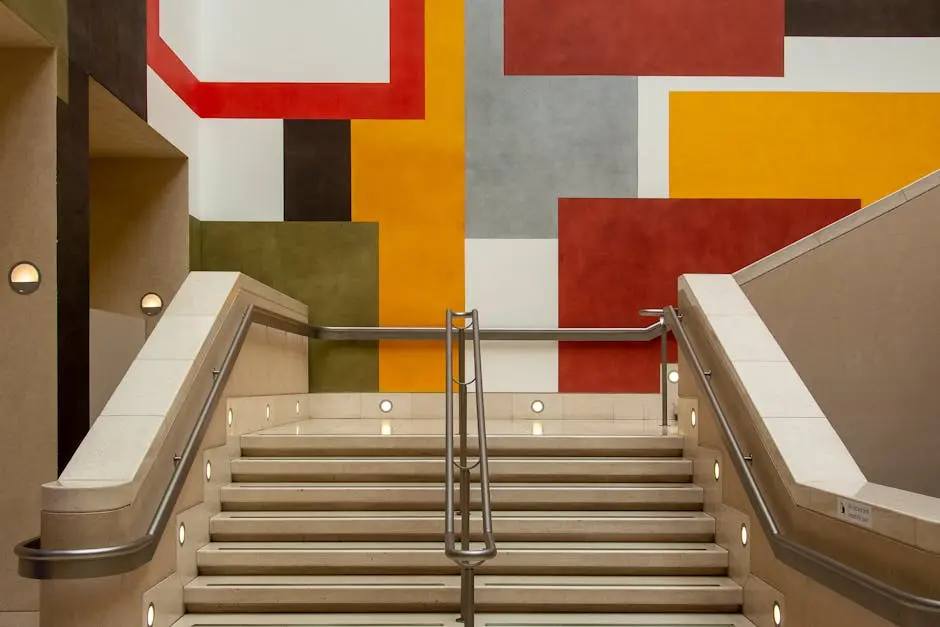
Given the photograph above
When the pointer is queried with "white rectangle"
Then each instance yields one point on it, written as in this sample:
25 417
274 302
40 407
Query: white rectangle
854 512
294 41
241 174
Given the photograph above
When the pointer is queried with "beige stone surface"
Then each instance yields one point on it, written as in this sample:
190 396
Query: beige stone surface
28 345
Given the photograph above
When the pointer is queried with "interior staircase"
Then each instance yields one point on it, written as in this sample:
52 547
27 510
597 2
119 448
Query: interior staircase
332 522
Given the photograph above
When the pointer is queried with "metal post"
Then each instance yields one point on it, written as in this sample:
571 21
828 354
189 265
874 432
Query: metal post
664 374
466 578
466 596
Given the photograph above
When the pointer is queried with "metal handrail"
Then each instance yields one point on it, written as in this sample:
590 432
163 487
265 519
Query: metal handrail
36 562
900 607
468 559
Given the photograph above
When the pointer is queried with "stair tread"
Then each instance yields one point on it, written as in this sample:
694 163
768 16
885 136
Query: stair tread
336 485
483 581
435 547
503 514
450 620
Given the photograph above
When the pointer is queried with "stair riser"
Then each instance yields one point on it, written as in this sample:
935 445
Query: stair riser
255 499
264 562
416 530
433 446
243 600
273 470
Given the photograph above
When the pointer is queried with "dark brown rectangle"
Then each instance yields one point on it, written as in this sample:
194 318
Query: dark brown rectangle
863 18
109 41
74 213
317 171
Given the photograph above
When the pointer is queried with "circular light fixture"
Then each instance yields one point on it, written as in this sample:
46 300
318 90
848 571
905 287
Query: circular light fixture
694 418
673 376
267 411
182 534
386 406
208 471
151 615
743 534
778 614
538 407
717 470
297 408
231 416
24 278
151 304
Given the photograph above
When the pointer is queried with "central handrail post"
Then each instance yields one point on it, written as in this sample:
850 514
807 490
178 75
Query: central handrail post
663 362
466 574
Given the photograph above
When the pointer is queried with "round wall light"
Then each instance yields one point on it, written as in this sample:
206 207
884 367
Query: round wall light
778 614
151 615
231 417
386 406
673 376
151 304
208 471
694 418
717 470
24 278
538 407
744 534
182 534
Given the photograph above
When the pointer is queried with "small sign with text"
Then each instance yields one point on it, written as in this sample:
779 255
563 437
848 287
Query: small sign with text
854 512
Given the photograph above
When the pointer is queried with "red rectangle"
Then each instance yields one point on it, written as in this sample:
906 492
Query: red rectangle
617 256
644 37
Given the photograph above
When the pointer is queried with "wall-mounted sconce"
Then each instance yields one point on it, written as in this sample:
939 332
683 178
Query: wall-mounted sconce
24 278
151 304
673 376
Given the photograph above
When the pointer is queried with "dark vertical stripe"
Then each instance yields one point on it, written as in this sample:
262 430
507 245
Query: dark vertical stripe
863 18
109 40
73 265
317 171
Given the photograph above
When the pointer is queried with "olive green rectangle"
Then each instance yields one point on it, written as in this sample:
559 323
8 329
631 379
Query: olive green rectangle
332 267
195 244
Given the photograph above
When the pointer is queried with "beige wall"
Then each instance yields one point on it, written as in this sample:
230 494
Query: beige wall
114 340
27 323
139 231
806 602
856 317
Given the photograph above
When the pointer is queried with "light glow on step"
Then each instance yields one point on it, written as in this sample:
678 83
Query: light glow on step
778 614
386 427
537 428
297 408
386 406
267 411
538 407
151 615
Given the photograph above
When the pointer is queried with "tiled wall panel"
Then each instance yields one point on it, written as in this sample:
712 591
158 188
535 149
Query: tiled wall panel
800 145
863 18
617 256
644 37
317 170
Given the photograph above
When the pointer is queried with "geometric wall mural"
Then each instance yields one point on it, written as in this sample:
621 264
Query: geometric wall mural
617 256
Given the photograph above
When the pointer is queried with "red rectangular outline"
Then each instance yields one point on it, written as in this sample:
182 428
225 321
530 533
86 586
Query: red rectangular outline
403 97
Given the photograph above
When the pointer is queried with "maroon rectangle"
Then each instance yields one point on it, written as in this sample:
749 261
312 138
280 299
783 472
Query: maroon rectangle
617 256
644 37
